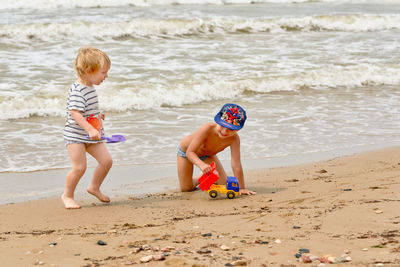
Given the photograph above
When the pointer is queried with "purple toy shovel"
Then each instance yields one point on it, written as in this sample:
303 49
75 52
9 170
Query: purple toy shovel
116 138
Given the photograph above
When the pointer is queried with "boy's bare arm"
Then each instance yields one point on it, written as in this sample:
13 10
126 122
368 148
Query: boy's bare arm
237 167
198 140
78 117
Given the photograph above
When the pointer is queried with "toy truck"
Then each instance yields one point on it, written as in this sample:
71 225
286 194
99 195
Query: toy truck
207 180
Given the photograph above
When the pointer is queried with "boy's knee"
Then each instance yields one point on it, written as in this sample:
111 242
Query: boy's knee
187 189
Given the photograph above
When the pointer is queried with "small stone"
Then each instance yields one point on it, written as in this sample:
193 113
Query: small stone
204 251
180 240
39 262
52 244
379 211
347 189
296 227
207 234
101 243
365 249
344 259
304 250
278 241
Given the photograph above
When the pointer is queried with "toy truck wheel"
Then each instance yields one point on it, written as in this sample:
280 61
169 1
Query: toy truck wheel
230 195
213 193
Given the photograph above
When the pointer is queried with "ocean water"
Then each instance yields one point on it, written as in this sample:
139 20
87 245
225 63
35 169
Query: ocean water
313 76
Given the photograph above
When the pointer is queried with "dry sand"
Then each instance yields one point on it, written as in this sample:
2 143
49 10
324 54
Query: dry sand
346 209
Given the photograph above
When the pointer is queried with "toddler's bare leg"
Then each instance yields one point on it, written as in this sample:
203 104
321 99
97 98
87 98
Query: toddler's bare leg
185 174
77 153
100 153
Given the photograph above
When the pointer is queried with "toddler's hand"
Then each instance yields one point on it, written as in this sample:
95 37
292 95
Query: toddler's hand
246 192
94 134
103 116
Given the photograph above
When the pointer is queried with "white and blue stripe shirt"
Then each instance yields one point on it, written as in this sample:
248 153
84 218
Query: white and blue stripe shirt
84 99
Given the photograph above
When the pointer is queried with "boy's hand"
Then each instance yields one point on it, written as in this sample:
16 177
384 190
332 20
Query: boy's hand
246 192
205 168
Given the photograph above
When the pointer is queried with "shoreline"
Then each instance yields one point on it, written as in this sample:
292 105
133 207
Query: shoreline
147 178
342 210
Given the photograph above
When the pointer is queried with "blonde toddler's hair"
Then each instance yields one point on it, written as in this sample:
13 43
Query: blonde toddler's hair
92 59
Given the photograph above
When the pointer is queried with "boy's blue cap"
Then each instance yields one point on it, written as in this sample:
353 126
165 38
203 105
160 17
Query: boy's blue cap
231 116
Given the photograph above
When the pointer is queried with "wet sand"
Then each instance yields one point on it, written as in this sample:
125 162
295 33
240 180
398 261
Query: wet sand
343 210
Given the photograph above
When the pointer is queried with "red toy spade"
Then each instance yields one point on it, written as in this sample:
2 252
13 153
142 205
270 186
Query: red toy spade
207 179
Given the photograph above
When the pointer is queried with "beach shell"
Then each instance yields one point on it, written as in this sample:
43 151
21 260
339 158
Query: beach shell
224 247
240 263
135 250
146 258
305 259
167 249
159 257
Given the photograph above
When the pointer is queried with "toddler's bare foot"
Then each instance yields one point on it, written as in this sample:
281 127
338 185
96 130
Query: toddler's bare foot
69 202
100 196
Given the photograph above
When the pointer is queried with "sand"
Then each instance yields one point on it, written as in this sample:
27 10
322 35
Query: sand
344 210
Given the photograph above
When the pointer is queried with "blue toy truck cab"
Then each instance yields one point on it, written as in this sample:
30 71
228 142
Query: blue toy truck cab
232 184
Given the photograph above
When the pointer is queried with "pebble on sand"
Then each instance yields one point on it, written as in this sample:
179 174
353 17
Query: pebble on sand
101 243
